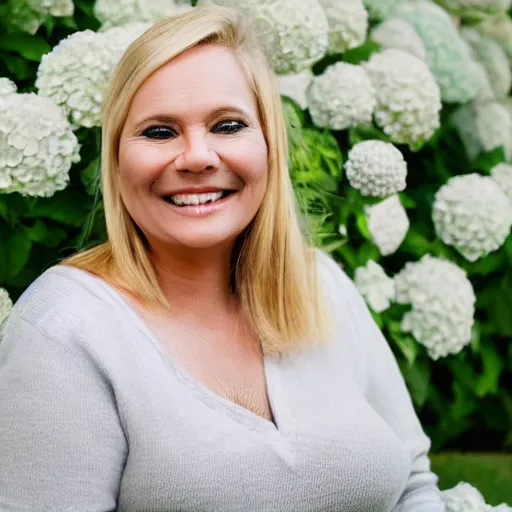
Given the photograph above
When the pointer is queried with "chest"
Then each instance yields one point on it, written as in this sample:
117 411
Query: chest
233 370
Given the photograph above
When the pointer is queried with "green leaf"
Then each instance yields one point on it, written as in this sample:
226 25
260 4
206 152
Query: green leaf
486 161
17 66
19 246
362 226
67 207
488 381
28 46
417 377
90 176
407 345
38 232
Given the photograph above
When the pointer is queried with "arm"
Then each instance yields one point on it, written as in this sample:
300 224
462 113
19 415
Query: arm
387 393
62 446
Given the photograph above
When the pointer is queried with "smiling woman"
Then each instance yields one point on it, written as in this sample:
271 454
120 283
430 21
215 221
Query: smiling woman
205 357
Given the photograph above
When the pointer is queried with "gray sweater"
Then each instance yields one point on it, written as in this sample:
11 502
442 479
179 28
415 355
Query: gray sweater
95 416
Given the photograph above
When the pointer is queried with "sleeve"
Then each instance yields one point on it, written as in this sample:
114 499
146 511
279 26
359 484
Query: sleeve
62 446
387 393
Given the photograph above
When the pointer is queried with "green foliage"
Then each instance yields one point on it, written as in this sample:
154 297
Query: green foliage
459 397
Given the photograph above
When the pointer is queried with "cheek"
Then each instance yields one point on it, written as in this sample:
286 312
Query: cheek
249 160
140 164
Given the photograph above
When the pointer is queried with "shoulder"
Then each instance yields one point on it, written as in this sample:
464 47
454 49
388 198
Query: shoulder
64 300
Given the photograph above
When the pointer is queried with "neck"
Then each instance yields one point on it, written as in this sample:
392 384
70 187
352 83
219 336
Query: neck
196 282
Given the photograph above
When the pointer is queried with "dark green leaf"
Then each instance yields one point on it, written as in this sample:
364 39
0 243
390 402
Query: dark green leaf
28 46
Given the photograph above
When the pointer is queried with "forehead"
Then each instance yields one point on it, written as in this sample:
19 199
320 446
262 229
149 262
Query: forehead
206 76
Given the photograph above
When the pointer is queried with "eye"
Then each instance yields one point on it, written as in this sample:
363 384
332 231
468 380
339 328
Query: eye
229 127
158 132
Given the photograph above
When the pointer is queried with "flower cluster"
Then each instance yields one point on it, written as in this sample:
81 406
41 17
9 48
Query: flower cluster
348 24
388 224
499 28
493 58
443 304
295 86
502 175
342 97
29 15
76 73
456 72
122 37
37 145
398 34
376 168
5 305
381 9
124 12
408 97
474 8
473 214
463 498
484 126
377 288
7 87
294 34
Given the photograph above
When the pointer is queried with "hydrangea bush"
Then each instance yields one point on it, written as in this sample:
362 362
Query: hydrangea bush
399 119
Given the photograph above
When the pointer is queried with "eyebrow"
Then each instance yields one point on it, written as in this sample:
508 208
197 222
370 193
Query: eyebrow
168 119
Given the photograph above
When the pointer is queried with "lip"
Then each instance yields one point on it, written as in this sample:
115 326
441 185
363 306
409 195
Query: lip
201 210
196 190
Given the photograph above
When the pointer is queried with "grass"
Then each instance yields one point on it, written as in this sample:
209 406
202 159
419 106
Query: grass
491 474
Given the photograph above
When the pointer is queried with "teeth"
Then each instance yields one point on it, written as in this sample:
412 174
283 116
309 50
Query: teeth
195 199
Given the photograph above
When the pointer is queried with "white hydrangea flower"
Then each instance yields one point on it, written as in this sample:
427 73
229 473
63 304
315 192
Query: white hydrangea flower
463 498
473 214
388 224
5 305
122 37
342 97
443 304
493 58
499 28
500 508
124 12
295 86
37 146
29 15
502 175
381 9
294 34
408 97
474 8
398 34
456 72
483 127
7 86
376 168
377 288
348 24
76 73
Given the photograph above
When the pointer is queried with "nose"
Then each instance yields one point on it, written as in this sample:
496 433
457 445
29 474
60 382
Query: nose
197 157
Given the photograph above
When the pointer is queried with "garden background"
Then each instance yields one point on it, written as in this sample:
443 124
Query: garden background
400 128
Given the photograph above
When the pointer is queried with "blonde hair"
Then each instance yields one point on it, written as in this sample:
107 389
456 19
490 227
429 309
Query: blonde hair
274 269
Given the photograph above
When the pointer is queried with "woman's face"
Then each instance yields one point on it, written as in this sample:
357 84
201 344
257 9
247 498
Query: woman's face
192 154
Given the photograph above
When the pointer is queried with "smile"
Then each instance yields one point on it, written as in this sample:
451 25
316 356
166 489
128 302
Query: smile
198 205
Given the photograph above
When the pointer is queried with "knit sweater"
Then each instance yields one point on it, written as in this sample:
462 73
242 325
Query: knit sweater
96 416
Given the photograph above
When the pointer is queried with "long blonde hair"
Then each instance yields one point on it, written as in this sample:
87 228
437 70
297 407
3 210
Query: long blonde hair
274 268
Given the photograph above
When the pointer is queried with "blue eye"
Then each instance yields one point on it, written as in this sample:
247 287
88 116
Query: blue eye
229 127
158 132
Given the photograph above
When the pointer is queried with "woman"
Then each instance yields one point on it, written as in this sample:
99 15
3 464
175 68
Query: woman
204 358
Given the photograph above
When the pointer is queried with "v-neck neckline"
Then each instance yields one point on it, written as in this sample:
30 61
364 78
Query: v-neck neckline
274 389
